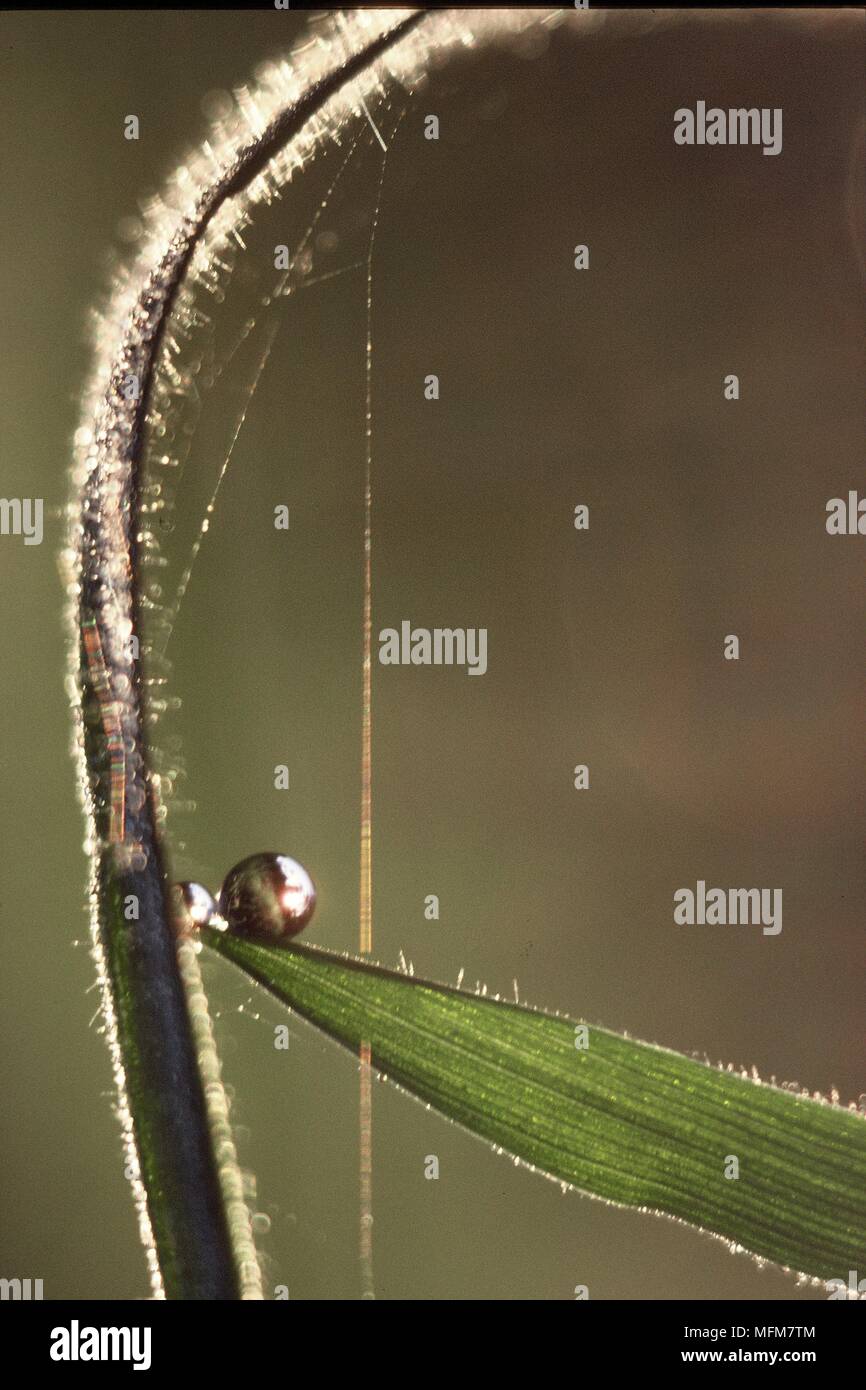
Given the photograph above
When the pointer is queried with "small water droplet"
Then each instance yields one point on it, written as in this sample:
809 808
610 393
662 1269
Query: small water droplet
267 895
194 908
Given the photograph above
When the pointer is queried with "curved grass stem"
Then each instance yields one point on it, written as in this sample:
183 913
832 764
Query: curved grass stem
164 1114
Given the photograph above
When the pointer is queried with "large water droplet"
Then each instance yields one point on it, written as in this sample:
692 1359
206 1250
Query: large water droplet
267 895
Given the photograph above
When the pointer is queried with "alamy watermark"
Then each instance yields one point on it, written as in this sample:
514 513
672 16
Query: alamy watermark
438 646
20 1290
22 516
838 1288
736 126
846 517
729 907
77 1343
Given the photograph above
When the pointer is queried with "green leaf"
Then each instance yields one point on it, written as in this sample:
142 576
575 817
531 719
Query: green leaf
623 1120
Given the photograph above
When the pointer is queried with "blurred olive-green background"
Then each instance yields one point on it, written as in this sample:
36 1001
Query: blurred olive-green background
557 387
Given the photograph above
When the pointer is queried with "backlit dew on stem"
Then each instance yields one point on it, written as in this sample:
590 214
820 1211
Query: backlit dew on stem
193 908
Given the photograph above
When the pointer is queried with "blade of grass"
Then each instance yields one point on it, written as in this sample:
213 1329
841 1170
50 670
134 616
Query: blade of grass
622 1120
188 1220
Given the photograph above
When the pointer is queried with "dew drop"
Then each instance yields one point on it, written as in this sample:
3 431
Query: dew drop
267 895
194 908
